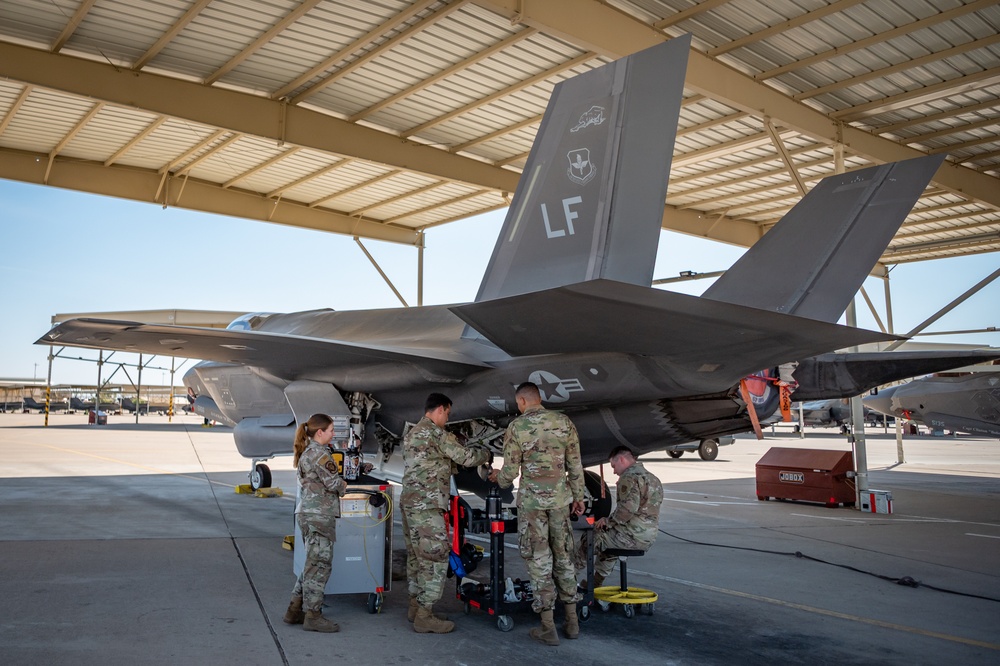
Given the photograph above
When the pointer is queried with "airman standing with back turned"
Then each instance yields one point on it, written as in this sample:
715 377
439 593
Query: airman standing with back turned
430 453
544 448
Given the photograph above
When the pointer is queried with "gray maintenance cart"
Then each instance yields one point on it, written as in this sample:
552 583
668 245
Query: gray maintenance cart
362 556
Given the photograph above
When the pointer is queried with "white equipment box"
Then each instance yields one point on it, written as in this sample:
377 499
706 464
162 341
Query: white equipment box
876 501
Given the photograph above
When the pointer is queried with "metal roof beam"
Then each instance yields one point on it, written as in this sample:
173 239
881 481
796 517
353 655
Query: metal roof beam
131 143
265 38
779 145
310 176
592 25
167 37
956 86
944 115
748 179
879 38
243 113
534 120
702 6
445 73
141 184
69 137
948 230
742 165
9 116
72 25
520 85
972 143
352 48
354 188
260 167
802 19
900 67
398 197
955 129
723 228
441 204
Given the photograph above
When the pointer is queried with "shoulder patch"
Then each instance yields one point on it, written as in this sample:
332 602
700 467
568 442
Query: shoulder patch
331 466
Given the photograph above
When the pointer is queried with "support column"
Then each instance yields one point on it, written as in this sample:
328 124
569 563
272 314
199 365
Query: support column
138 389
858 425
420 269
170 403
900 453
48 387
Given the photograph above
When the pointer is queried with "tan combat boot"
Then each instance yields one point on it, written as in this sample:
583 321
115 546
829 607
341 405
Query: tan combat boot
411 613
572 625
426 623
315 621
294 614
547 632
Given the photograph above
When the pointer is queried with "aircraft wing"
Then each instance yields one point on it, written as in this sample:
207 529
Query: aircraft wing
698 334
284 355
846 375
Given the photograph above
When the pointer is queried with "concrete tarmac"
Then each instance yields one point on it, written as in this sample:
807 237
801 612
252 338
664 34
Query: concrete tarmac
126 543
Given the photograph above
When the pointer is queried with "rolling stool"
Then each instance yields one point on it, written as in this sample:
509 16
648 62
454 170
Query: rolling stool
624 595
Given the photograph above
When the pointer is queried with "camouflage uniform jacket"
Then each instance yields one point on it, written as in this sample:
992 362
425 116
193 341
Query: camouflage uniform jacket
544 448
637 512
429 453
320 484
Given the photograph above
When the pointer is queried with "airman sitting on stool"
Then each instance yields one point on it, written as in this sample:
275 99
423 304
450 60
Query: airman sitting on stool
634 522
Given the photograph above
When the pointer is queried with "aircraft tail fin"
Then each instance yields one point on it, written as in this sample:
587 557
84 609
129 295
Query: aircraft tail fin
817 256
589 204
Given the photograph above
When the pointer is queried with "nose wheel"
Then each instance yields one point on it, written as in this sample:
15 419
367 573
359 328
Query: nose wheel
260 476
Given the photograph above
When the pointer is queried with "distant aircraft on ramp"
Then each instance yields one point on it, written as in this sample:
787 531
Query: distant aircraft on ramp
969 403
566 302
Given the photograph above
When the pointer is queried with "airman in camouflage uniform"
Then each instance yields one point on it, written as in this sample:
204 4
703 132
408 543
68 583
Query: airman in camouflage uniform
430 454
317 508
544 448
634 522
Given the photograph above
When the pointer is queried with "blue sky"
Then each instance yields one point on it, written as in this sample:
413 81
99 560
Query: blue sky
64 251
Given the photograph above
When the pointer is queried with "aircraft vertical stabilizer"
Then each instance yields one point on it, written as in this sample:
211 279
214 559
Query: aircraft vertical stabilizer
817 256
590 201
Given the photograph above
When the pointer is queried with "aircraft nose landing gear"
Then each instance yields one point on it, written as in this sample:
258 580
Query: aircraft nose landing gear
260 475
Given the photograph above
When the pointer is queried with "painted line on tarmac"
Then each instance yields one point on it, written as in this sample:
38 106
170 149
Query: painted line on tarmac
822 611
846 520
985 536
147 468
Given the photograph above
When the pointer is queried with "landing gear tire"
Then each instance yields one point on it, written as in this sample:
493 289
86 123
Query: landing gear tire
599 498
505 623
260 477
675 454
709 449
374 602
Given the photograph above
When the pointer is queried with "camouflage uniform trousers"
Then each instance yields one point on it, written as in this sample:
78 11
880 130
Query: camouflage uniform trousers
545 539
604 539
427 551
311 584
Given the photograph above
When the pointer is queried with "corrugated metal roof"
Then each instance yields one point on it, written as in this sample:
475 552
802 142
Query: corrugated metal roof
467 80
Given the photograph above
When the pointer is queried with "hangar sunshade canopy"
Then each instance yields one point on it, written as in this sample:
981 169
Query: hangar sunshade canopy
380 119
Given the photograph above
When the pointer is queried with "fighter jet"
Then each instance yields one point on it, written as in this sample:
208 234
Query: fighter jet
969 403
566 302
830 413
31 403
